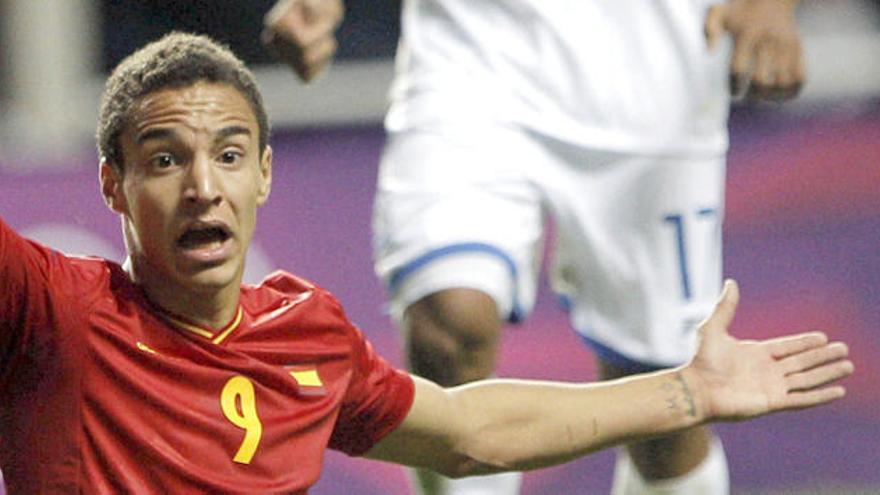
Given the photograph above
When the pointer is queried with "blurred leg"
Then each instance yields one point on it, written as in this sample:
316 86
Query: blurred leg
451 337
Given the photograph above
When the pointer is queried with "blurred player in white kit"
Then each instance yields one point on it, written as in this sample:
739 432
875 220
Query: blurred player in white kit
610 116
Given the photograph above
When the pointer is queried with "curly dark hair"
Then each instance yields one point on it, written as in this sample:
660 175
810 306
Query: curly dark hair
177 60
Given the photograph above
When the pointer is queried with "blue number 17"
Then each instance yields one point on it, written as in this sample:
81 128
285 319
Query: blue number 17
678 223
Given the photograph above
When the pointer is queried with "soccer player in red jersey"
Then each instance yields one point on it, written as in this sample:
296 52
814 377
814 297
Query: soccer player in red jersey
167 375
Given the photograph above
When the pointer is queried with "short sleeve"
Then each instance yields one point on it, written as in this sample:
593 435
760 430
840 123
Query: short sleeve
378 400
29 309
22 284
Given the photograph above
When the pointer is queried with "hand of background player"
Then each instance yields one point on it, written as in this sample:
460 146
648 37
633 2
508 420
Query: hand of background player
740 379
301 33
767 60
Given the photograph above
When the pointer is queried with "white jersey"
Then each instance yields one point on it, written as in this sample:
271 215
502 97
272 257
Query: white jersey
625 75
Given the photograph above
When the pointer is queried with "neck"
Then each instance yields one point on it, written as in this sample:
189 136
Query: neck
209 307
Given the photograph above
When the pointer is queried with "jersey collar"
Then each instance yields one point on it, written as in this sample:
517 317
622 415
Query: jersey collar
215 337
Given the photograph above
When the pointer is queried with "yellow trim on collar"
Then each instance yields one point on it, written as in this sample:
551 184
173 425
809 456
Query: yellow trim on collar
205 333
231 327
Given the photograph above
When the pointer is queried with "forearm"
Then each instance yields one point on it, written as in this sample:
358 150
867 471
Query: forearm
501 425
527 425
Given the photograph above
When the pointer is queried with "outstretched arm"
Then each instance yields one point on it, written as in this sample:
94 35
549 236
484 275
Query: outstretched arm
301 33
767 60
502 425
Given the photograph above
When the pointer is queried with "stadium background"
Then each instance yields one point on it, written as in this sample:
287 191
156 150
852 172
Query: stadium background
802 228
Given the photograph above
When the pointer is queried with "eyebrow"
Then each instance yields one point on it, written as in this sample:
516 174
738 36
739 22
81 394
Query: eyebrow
155 133
231 131
166 133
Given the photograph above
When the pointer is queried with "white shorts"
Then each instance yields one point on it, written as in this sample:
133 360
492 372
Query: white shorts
637 252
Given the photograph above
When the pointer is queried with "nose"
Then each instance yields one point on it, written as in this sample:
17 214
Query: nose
202 187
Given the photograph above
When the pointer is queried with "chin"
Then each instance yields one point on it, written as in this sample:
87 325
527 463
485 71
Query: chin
212 278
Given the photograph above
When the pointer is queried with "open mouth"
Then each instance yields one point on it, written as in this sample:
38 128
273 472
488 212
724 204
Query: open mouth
204 236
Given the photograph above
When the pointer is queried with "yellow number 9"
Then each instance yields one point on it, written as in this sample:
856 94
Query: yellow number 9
245 417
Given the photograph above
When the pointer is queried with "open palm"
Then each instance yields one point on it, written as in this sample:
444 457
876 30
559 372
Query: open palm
741 379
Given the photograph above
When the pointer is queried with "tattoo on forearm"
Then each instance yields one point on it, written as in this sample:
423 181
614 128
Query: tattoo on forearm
680 396
688 397
671 398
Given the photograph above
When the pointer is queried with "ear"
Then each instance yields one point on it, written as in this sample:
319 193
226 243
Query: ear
111 188
265 184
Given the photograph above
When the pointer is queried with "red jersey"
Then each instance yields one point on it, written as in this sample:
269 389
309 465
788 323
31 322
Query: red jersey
101 392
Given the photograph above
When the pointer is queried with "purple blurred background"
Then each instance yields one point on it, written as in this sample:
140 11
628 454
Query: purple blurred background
802 236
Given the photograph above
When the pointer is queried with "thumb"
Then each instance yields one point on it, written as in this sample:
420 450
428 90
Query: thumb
713 27
725 308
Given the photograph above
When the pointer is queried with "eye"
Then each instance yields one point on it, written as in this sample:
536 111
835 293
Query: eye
230 157
163 161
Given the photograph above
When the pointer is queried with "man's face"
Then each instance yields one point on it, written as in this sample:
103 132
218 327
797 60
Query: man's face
193 179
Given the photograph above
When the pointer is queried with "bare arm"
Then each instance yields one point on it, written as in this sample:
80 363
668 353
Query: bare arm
767 60
502 425
301 33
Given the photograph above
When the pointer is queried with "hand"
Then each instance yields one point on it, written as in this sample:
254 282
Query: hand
767 60
739 379
301 33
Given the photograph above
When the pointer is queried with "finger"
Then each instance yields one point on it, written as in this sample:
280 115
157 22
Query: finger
286 52
819 376
812 398
311 10
321 52
307 60
285 20
796 72
786 79
321 24
303 22
320 18
763 82
782 347
295 28
301 33
318 56
328 12
788 67
713 28
741 63
281 8
814 357
794 67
